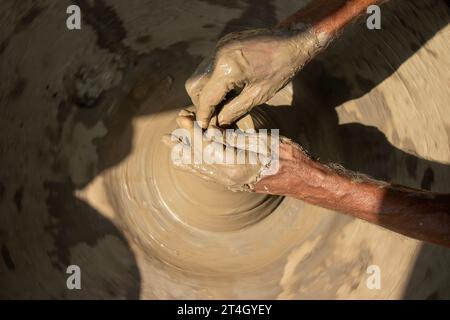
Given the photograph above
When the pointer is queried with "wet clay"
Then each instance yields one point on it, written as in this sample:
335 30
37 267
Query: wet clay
179 195
88 181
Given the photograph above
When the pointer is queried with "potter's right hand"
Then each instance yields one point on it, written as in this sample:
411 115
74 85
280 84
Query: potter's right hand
236 161
255 64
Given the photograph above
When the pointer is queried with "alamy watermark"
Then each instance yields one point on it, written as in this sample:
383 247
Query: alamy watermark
373 22
73 21
74 279
374 280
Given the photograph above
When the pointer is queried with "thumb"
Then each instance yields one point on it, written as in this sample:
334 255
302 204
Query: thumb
212 94
239 106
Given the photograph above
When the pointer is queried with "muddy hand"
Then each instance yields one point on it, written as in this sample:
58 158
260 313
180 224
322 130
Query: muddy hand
255 64
234 162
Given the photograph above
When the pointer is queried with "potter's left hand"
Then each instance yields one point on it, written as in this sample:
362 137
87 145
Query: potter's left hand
254 64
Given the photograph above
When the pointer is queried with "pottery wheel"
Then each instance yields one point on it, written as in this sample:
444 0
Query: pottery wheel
86 181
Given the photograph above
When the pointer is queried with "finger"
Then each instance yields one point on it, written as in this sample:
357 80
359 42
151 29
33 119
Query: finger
169 140
185 122
239 106
213 122
194 133
175 143
191 115
185 130
178 151
212 94
194 86
198 79
215 134
187 113
253 142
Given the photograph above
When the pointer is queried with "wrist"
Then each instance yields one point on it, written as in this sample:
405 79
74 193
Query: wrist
294 169
301 177
303 44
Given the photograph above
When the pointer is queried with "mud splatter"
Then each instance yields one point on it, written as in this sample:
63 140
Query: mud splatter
106 23
28 18
23 24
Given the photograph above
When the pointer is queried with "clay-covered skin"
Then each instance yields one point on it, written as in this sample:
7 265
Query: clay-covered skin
235 176
254 63
415 213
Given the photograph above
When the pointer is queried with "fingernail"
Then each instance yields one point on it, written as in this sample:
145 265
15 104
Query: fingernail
222 120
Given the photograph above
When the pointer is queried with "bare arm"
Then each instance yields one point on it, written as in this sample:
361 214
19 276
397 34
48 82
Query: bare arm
415 213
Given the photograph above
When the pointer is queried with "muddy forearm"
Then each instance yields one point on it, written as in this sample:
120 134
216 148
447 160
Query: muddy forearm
415 213
313 27
328 16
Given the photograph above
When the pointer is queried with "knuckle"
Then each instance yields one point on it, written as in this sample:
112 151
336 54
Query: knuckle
189 87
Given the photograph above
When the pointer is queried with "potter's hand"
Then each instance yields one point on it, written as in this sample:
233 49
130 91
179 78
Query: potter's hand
253 64
236 162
